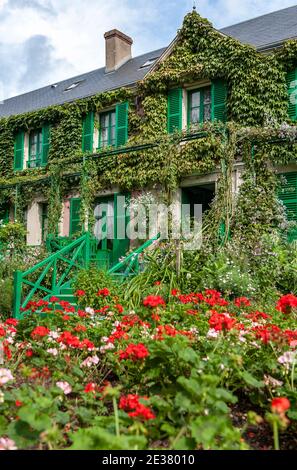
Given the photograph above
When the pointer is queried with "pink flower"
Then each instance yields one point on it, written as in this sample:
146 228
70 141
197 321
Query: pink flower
5 376
65 387
7 444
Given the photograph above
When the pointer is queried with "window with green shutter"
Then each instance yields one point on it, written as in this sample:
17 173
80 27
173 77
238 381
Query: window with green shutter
107 129
4 214
35 148
19 151
219 100
122 123
88 132
292 92
75 223
174 110
45 144
288 195
199 106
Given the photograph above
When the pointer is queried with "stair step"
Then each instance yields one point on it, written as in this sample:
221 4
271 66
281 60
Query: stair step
66 291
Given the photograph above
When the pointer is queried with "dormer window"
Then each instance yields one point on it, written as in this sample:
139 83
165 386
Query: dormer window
107 129
199 105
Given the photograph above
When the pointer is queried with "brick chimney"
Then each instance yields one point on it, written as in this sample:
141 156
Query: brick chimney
117 49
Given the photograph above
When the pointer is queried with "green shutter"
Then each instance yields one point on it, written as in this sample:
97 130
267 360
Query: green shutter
75 223
219 101
288 195
45 144
19 151
174 111
88 132
292 88
121 242
122 124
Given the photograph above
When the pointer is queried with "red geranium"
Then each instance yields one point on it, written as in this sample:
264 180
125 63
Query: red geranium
153 301
103 292
80 293
280 405
134 352
242 301
286 303
40 331
135 409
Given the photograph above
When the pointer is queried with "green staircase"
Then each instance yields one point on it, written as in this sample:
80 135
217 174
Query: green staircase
53 276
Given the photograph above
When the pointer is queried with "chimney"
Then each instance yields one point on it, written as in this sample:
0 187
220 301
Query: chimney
117 49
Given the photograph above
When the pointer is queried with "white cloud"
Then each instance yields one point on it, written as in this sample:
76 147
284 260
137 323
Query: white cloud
62 38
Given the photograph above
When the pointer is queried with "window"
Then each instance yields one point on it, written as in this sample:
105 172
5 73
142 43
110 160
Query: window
73 85
149 62
107 130
199 106
44 221
35 149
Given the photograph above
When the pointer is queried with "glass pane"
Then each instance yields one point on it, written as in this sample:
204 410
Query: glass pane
207 96
104 120
195 115
112 136
104 137
207 112
113 118
195 99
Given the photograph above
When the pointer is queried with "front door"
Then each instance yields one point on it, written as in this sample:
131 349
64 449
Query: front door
112 242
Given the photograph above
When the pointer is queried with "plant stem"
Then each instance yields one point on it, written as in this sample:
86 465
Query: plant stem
116 416
275 435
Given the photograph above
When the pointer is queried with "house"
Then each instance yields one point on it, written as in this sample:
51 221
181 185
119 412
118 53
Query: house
155 123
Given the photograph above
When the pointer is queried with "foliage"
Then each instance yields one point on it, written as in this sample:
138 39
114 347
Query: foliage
91 281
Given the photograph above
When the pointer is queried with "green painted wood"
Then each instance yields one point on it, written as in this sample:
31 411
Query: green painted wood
219 100
88 132
19 151
122 123
288 195
45 144
291 80
174 110
75 223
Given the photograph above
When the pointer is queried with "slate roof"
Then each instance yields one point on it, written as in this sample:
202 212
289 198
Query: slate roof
266 30
262 32
91 83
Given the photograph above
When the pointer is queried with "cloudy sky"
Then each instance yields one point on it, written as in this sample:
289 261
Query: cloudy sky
44 41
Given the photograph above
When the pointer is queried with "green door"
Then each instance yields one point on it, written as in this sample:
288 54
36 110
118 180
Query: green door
110 230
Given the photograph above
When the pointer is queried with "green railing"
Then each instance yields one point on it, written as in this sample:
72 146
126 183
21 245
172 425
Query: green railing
49 275
129 266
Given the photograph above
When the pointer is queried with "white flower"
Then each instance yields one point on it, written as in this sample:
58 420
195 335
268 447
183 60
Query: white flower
5 376
53 351
104 339
90 311
268 380
287 358
107 347
1 397
7 444
212 333
65 386
91 360
53 334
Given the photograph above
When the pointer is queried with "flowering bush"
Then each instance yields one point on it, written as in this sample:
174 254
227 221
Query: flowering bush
185 371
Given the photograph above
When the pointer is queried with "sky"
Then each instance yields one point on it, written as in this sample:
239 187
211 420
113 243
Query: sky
45 41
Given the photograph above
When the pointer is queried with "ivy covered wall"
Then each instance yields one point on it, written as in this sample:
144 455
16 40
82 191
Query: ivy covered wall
255 132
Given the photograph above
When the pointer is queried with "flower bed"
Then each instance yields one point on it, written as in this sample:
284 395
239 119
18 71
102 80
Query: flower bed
186 371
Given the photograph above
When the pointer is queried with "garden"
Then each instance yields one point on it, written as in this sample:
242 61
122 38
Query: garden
201 359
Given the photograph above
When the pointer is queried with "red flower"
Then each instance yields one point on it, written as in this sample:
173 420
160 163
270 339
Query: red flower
221 321
174 292
11 322
134 352
54 300
40 331
119 308
135 409
103 292
156 317
242 301
29 353
157 283
80 293
66 318
18 404
2 331
280 405
153 301
286 303
90 388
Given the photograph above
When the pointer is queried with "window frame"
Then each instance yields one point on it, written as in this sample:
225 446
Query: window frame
109 129
37 161
190 92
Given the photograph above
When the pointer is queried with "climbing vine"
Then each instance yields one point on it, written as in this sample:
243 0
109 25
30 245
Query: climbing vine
258 134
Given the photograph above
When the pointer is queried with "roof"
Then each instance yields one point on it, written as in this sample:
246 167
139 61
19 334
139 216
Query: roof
266 30
91 83
261 32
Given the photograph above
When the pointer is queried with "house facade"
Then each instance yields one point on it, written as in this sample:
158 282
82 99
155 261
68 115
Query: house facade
202 121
